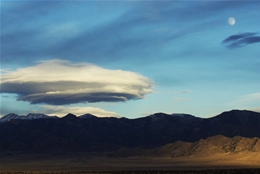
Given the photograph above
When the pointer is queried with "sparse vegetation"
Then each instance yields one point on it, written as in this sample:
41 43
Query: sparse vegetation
212 171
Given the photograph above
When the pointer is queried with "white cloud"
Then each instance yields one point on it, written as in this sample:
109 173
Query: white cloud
62 111
5 70
58 82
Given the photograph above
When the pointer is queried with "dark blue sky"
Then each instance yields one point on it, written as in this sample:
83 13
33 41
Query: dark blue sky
129 58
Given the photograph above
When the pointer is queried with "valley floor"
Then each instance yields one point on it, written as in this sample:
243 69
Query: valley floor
87 163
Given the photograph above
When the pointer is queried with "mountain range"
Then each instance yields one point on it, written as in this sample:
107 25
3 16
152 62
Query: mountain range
39 133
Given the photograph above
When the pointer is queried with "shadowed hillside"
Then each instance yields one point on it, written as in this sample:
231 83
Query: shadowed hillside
91 133
204 147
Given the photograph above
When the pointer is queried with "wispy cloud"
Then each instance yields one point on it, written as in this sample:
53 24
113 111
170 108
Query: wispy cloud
239 40
256 109
62 111
185 91
2 71
250 101
255 97
179 99
59 82
138 28
181 92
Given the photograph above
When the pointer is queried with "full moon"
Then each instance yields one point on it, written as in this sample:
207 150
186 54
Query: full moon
231 21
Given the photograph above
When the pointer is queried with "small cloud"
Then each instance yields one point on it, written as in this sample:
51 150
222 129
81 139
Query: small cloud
239 40
180 99
185 91
62 111
59 82
181 92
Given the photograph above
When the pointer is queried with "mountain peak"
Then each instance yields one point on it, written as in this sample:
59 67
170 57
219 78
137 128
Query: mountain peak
158 116
69 116
237 111
88 115
181 115
30 116
9 117
36 116
11 114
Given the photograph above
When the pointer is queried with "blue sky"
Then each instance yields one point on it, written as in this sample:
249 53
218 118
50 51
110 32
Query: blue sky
129 58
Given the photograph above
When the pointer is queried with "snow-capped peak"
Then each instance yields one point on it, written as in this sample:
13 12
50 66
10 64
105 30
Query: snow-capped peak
158 116
30 116
9 117
182 115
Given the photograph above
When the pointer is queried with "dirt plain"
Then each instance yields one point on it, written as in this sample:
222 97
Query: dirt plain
87 163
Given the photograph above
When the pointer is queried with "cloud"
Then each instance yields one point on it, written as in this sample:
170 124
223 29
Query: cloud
62 111
180 99
5 70
250 102
250 98
133 29
255 109
239 40
58 82
185 91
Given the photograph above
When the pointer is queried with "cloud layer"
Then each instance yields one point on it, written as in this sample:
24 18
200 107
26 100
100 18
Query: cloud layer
239 40
59 82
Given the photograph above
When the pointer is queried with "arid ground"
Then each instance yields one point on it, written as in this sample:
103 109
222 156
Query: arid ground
81 162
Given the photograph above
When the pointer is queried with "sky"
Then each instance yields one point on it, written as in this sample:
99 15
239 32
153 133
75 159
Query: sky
129 58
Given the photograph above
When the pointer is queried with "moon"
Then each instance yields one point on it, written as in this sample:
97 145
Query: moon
231 21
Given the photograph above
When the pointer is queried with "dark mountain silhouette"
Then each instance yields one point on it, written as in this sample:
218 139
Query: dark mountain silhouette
87 116
90 133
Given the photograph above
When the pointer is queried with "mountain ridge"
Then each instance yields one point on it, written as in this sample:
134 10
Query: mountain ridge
71 133
29 116
155 116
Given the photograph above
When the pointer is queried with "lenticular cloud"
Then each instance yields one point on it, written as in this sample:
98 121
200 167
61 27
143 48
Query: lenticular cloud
239 40
59 82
